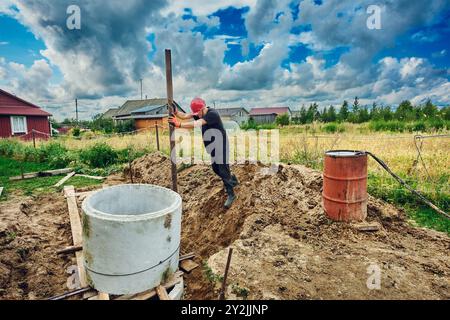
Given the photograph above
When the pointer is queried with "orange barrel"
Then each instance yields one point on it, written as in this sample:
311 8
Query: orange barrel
345 185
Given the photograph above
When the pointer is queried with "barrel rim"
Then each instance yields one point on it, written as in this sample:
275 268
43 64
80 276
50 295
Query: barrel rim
356 153
86 207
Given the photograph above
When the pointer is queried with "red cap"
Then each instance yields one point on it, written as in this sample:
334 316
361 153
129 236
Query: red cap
196 105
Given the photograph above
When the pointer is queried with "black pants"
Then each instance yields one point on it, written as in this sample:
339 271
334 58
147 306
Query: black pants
224 172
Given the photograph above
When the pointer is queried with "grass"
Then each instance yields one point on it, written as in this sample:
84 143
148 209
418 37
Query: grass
34 186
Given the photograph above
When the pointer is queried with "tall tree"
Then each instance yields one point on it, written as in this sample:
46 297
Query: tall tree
343 112
405 111
331 115
429 109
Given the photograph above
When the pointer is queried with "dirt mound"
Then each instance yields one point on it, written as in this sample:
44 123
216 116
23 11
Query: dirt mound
31 231
285 247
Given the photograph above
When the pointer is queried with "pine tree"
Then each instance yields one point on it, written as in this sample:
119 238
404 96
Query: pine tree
343 112
429 109
332 116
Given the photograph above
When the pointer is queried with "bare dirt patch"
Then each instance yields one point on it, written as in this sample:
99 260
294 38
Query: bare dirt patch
31 231
284 246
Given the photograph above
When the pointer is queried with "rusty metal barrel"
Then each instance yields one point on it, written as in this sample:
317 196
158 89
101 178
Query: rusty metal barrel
345 185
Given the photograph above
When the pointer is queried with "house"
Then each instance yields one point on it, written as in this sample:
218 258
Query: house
145 113
22 118
237 114
268 115
110 113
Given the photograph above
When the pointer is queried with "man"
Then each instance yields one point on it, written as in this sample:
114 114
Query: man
214 138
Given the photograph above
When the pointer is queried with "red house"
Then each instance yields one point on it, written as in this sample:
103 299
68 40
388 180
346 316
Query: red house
22 118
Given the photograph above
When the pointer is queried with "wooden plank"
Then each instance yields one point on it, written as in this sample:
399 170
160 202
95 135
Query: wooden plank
90 177
103 296
75 225
188 265
367 226
70 249
70 294
187 256
162 293
63 180
41 174
1 191
146 295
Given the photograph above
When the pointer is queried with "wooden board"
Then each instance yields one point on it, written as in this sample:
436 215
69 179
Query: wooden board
367 226
70 249
90 177
41 174
187 256
188 265
75 225
146 295
63 180
162 293
1 191
103 296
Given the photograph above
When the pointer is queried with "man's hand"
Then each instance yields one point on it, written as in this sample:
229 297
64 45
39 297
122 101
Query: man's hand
174 122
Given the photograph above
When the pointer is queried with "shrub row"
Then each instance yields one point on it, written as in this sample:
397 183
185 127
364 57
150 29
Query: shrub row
56 155
416 126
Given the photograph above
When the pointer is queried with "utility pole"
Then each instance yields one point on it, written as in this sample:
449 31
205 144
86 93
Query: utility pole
173 152
76 109
141 87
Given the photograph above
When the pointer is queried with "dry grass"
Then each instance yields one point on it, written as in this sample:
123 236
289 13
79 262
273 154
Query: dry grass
300 146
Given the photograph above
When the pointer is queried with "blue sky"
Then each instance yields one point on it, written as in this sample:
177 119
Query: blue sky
234 53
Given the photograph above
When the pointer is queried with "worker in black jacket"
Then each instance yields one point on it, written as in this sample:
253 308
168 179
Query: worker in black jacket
214 138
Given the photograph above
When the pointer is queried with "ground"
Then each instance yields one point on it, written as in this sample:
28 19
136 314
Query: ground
284 246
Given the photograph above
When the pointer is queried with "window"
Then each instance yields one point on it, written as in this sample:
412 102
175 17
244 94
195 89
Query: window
18 125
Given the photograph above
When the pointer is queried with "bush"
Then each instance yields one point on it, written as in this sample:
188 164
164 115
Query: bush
418 126
76 132
393 126
282 119
333 127
125 126
9 147
100 155
436 124
252 125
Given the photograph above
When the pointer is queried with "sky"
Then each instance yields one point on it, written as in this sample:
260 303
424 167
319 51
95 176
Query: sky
249 53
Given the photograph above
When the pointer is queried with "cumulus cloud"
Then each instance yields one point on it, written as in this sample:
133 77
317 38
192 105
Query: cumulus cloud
204 8
110 51
35 80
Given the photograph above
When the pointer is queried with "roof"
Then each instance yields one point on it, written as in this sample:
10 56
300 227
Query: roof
147 109
21 108
230 111
23 111
110 113
133 105
272 110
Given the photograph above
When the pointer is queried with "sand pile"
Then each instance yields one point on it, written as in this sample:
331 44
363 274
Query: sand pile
285 247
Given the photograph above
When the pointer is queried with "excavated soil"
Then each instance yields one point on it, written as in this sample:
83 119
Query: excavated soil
284 246
31 231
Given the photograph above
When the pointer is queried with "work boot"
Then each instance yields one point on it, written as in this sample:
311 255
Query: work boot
235 180
230 199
